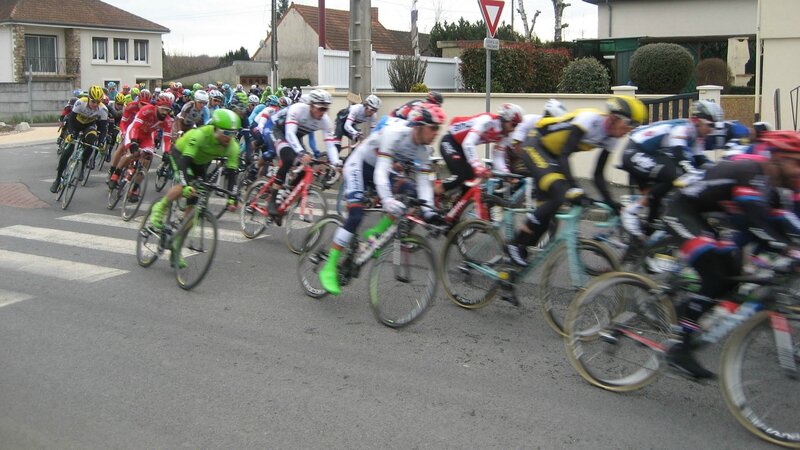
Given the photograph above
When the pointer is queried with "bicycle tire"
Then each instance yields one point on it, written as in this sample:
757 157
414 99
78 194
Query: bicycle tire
114 195
162 176
399 297
102 159
87 170
557 287
70 185
246 177
470 245
129 209
756 389
315 254
612 302
297 224
253 211
147 243
197 246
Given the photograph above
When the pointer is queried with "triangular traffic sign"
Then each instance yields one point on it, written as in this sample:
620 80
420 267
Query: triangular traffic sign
491 10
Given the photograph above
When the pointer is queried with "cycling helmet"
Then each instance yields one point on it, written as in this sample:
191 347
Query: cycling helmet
201 96
284 102
426 114
708 110
164 100
215 94
187 92
253 99
373 102
629 107
236 105
225 119
435 98
226 87
178 85
273 100
197 87
554 108
781 143
76 93
171 85
211 86
125 86
111 84
319 97
510 112
135 91
145 96
120 98
96 93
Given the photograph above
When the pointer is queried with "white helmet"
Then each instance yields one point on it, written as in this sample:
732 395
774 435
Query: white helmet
706 109
554 108
252 98
201 96
319 96
216 94
510 112
373 102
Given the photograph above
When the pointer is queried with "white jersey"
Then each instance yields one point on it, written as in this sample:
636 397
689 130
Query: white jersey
356 116
85 114
397 145
366 152
297 122
528 123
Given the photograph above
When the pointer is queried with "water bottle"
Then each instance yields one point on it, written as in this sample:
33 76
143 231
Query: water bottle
730 321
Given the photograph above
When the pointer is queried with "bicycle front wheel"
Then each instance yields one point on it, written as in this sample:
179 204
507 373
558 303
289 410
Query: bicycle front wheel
563 278
70 183
162 175
761 393
253 212
402 281
315 254
130 205
87 170
472 251
147 243
617 331
301 217
197 245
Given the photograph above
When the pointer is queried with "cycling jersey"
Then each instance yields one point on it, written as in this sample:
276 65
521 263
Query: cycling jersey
403 110
527 125
201 145
677 137
86 115
128 115
296 122
397 146
193 117
470 131
145 125
263 120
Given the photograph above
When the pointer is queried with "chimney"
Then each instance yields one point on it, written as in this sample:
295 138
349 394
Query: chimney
321 5
374 13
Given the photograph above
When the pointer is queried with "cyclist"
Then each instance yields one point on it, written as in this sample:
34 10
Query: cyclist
546 155
62 119
398 147
744 189
353 115
193 114
128 116
289 128
434 98
115 112
181 101
513 162
657 152
217 100
459 146
90 116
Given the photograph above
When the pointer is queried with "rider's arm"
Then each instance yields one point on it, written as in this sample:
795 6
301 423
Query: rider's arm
576 133
600 178
330 141
383 167
312 144
750 198
348 123
499 155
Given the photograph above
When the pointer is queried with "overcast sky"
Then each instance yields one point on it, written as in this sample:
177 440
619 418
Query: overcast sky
214 27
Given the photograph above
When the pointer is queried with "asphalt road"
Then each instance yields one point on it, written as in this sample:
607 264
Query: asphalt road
111 355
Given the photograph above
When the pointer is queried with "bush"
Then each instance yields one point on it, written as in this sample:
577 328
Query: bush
419 87
515 68
292 82
584 76
661 68
406 71
713 71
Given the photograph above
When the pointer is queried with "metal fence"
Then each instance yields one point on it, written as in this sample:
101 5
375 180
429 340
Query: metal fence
52 66
672 107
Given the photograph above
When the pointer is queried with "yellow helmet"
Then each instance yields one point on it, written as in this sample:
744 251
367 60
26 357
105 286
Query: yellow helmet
629 107
96 93
120 98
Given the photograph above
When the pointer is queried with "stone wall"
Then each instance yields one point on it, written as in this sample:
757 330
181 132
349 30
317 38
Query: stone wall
18 39
72 46
49 98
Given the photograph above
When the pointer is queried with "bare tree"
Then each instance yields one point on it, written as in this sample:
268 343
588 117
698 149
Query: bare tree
437 11
528 29
558 8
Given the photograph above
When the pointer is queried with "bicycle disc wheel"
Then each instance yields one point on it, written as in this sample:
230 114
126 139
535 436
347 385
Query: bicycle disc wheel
471 250
759 392
130 208
253 213
147 243
560 282
300 218
198 244
316 246
402 281
617 330
70 185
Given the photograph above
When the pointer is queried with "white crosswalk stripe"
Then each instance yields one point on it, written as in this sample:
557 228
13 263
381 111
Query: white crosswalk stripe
11 297
71 238
55 267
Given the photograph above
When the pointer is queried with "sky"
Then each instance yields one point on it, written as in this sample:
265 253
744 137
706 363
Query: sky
205 28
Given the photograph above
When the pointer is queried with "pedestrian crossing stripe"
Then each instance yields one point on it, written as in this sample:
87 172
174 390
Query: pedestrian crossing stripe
55 267
11 297
71 238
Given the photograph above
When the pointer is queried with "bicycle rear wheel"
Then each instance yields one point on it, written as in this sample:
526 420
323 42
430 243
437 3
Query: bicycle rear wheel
197 246
315 253
89 164
129 207
560 284
70 183
617 331
472 249
402 281
759 392
253 213
300 218
147 243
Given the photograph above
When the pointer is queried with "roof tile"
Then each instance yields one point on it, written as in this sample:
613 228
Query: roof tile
74 13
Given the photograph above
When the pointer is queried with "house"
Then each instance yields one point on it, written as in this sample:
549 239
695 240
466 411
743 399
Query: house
298 40
84 42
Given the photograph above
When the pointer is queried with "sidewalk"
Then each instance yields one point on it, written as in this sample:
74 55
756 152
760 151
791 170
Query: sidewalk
36 135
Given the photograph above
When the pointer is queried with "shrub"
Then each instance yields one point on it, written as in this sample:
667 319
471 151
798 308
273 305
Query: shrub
405 71
661 68
292 82
584 76
714 71
419 87
515 68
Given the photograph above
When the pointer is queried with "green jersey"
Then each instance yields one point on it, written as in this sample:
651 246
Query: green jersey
202 146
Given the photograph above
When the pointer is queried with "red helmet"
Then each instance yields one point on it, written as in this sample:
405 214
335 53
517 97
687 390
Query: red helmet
510 112
145 96
164 100
435 98
426 114
781 143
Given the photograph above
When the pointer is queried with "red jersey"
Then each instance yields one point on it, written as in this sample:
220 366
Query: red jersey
128 115
147 123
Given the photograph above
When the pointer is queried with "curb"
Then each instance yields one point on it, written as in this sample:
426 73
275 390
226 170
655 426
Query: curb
26 144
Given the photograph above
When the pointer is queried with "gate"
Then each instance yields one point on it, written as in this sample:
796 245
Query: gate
672 107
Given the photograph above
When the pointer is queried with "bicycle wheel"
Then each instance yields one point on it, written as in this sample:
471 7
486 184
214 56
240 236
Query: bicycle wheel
253 214
560 283
114 195
759 392
402 281
147 243
130 208
315 254
88 169
162 176
100 159
197 245
471 250
70 183
300 218
217 203
246 177
617 330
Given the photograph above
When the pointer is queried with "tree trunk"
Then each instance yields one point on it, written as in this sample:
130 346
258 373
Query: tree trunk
528 29
558 8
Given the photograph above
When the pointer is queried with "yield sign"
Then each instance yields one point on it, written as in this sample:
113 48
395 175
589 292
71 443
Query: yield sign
491 10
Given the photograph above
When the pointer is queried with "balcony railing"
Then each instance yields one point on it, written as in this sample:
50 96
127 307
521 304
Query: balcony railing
52 66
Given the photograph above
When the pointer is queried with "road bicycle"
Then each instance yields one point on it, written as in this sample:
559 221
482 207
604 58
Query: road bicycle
190 237
71 175
132 186
402 280
620 328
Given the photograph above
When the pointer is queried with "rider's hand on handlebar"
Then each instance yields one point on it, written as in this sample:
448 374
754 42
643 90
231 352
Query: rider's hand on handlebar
394 207
188 191
305 159
482 172
231 204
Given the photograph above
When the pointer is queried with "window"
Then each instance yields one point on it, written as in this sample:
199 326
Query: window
99 46
121 50
140 49
40 53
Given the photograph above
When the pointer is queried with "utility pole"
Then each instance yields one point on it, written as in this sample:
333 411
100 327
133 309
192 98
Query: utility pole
414 34
274 52
361 47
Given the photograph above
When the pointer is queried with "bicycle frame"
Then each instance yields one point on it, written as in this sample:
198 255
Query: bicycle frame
473 194
300 189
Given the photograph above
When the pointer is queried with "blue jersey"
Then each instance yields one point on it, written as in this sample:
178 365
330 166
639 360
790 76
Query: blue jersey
663 137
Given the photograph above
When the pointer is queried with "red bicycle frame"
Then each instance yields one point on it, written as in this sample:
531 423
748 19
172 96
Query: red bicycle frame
473 194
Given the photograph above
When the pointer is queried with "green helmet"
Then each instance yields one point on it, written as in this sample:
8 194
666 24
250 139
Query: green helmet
197 86
225 119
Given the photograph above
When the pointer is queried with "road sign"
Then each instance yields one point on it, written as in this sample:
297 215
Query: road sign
491 10
491 44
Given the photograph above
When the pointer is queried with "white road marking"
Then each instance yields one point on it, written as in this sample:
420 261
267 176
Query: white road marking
55 267
10 297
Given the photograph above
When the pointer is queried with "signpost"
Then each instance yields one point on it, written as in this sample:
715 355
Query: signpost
491 10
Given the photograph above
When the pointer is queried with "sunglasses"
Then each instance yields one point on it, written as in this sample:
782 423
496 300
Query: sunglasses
627 121
94 102
229 133
322 108
434 127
